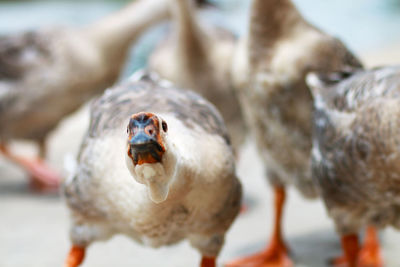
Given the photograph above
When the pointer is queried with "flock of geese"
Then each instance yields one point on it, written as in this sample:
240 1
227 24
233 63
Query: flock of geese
158 162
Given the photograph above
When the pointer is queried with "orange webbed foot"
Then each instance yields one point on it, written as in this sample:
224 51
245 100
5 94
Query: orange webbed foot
363 261
339 262
350 252
370 253
275 255
368 256
366 259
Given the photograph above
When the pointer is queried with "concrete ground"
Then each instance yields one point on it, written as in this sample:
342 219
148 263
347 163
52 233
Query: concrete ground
34 227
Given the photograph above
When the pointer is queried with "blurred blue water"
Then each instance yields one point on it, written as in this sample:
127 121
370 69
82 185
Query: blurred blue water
361 24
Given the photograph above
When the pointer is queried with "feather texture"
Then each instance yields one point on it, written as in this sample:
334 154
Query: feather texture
204 193
269 70
48 73
356 152
198 56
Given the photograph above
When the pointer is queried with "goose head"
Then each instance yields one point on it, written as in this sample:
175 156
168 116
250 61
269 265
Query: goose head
149 157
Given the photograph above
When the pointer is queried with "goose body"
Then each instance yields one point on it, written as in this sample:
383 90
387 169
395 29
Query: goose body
198 55
269 72
356 152
49 73
191 193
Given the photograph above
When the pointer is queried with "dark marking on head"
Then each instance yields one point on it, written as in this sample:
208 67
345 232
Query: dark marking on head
144 140
332 78
164 126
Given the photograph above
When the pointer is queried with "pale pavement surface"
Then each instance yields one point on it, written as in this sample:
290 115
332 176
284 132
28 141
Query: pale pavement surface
34 228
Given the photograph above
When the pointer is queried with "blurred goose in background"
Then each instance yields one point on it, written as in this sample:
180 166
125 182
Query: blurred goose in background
158 176
269 71
198 56
49 73
356 153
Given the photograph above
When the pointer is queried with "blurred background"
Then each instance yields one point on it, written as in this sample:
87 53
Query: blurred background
366 26
34 227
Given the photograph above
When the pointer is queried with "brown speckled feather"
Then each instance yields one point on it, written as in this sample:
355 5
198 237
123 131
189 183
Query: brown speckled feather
281 49
20 52
32 63
48 73
197 55
117 104
108 194
356 151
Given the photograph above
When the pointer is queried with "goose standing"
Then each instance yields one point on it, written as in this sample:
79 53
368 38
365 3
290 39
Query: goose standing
356 153
49 73
269 71
199 56
157 176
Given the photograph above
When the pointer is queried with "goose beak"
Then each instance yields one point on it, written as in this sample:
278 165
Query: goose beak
145 146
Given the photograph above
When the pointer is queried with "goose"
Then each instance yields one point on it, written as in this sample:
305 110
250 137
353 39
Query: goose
48 73
155 165
268 70
356 153
198 55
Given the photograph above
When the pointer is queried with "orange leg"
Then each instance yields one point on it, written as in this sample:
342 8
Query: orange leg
276 254
350 251
43 177
75 257
207 262
370 254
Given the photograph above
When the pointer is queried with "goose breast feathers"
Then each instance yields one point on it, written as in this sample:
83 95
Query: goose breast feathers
204 191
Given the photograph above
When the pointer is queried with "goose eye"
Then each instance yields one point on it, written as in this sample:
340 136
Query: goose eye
127 130
164 126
